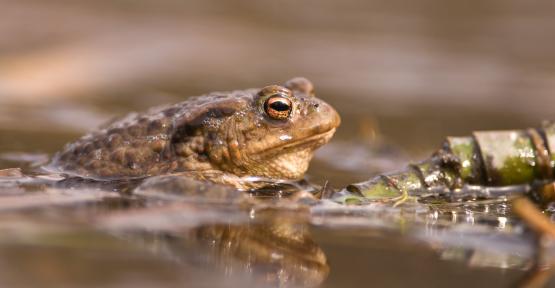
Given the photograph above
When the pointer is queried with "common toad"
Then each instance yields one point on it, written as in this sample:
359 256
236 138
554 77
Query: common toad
222 136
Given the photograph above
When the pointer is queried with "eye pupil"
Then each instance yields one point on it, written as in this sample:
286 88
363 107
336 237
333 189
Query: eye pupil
280 106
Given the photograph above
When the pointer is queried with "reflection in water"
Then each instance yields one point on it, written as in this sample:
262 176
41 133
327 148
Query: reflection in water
479 234
279 252
272 249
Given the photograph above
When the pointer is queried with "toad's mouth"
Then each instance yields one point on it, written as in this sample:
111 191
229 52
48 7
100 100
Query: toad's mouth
314 142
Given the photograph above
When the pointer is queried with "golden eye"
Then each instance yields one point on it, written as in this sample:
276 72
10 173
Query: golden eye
278 107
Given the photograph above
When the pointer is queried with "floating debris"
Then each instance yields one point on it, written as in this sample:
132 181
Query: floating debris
485 165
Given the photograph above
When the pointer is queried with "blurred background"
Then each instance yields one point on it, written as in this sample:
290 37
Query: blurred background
402 74
411 72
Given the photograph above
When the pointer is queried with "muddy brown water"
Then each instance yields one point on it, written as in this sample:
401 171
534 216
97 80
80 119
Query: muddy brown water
402 75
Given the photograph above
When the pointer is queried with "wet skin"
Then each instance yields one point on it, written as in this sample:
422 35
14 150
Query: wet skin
222 137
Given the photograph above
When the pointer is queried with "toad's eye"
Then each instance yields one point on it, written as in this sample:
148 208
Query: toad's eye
278 107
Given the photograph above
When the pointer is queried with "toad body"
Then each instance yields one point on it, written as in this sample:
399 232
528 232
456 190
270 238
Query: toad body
222 137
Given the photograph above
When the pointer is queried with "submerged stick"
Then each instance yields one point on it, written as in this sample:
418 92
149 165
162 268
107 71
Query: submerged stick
540 274
533 217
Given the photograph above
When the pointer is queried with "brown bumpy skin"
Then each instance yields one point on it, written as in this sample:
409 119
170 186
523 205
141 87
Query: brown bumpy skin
217 136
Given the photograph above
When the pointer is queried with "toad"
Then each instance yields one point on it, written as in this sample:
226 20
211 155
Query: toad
222 137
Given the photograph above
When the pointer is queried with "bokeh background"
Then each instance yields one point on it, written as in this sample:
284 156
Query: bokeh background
402 74
411 72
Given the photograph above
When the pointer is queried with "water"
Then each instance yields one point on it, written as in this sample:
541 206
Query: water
402 75
85 237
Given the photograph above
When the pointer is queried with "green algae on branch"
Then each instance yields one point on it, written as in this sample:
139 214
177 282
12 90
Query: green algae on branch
515 159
